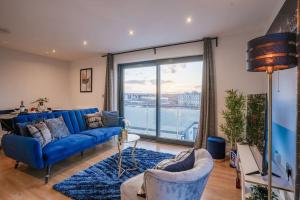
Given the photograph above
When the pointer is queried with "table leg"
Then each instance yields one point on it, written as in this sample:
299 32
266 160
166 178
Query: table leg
133 155
120 159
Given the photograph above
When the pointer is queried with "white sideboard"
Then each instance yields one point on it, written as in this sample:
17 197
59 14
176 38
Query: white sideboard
247 164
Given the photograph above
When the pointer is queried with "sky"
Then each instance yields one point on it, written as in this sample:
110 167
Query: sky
175 78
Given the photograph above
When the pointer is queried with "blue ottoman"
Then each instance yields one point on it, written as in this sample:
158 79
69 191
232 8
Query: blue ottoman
216 147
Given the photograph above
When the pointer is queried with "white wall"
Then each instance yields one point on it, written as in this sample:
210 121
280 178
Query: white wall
231 69
95 98
25 76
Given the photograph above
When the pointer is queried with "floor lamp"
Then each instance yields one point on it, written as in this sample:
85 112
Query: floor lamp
270 53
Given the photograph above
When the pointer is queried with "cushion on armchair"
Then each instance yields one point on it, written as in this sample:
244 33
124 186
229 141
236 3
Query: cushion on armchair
183 161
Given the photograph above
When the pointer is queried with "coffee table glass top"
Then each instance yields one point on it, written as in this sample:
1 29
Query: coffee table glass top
130 138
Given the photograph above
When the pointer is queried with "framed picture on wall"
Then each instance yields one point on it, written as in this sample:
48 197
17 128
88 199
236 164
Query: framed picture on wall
86 80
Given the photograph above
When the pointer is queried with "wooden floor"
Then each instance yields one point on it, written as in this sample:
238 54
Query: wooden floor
27 183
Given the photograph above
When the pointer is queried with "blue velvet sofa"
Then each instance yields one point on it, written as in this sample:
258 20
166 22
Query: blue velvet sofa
28 150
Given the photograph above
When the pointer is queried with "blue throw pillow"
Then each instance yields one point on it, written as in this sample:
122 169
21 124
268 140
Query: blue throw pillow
182 162
22 129
110 119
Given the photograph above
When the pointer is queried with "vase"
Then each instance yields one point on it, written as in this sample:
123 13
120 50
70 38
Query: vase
125 134
41 107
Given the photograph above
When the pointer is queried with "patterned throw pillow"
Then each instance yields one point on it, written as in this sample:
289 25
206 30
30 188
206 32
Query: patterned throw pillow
93 120
183 161
41 132
57 127
110 118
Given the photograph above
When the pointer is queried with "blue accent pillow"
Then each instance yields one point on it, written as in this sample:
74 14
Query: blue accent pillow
22 129
182 162
110 118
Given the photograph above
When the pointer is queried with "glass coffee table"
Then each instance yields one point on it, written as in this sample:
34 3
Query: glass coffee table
131 138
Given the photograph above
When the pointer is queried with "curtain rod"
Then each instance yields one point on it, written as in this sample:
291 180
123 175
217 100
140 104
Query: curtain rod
162 46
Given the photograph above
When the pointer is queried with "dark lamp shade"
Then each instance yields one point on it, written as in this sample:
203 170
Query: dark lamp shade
272 52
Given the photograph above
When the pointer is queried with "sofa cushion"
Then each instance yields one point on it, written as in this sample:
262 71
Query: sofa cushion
74 121
65 147
102 134
57 127
110 119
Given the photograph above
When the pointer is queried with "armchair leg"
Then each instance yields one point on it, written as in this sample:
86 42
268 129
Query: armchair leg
48 170
17 164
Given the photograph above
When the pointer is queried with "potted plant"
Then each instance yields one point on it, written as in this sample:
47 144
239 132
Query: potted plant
260 193
41 104
255 128
234 116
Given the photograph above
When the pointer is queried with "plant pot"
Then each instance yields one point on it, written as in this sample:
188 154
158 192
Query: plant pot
233 158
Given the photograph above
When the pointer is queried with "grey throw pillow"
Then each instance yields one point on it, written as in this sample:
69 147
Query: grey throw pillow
41 132
93 120
57 127
110 118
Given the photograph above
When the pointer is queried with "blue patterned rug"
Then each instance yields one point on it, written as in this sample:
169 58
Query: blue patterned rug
101 181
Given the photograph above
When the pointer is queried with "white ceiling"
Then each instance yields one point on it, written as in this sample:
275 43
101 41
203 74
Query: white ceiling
38 26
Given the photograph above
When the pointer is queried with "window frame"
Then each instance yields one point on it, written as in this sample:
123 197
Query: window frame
157 63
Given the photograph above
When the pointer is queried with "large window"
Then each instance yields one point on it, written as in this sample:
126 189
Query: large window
161 98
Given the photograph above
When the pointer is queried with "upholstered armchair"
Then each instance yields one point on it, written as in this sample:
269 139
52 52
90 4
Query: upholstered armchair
163 185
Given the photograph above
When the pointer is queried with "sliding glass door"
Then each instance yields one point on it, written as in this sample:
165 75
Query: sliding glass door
161 98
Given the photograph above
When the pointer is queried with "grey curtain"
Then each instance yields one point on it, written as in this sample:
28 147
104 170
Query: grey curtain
207 123
109 82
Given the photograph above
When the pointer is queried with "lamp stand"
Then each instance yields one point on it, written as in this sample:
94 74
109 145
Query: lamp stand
270 134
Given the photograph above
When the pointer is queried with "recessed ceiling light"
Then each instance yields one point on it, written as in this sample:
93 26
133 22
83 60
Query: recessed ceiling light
53 51
131 32
188 20
84 42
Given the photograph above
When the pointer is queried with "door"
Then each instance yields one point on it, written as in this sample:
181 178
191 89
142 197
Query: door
161 98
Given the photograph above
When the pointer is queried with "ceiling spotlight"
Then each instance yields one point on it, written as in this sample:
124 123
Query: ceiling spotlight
131 32
84 42
188 20
53 51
